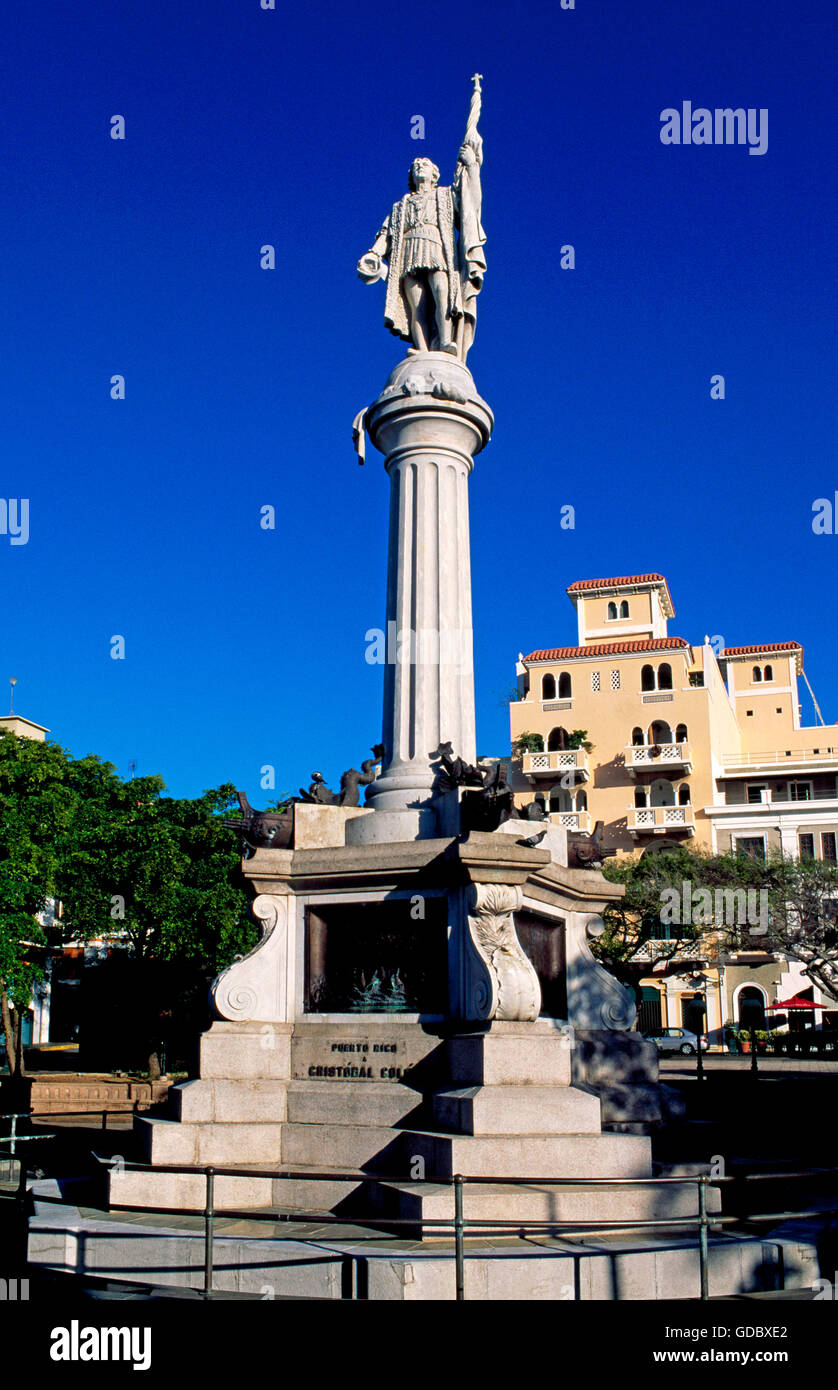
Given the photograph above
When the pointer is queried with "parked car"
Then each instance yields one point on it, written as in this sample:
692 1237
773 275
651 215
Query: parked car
677 1040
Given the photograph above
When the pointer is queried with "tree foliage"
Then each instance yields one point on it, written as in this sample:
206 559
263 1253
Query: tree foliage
160 874
633 944
796 901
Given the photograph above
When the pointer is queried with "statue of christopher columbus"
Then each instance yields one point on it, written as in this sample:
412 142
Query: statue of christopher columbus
433 240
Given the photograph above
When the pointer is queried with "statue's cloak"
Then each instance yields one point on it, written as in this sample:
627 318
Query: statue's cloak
472 258
395 304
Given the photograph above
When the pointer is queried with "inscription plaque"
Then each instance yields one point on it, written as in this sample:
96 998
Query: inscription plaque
385 1049
368 1064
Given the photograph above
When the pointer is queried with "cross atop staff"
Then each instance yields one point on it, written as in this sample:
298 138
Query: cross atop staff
471 136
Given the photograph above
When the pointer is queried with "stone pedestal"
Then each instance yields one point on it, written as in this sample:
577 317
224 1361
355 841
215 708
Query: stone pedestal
460 1075
429 422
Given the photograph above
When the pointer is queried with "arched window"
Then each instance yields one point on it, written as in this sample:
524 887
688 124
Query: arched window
663 792
557 740
640 797
564 685
548 687
624 609
647 678
637 739
684 795
540 801
665 676
681 734
581 800
756 674
660 732
560 800
750 1007
768 673
612 610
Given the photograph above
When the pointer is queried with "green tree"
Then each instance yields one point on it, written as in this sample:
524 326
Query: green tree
165 874
125 861
636 941
35 810
802 912
793 910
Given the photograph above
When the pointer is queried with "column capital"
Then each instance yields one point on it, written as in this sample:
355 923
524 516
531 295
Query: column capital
430 402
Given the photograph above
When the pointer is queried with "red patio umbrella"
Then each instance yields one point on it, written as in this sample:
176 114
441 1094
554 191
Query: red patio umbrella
797 1002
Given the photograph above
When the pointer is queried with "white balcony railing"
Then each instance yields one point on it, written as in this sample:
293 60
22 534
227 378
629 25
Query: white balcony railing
655 820
646 757
559 762
783 757
572 820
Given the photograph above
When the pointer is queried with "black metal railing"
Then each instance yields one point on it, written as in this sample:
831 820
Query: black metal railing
702 1222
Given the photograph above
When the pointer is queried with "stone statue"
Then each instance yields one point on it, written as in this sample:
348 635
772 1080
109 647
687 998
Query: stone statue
433 239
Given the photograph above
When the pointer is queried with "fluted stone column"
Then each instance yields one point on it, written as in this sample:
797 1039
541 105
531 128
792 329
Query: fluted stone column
429 422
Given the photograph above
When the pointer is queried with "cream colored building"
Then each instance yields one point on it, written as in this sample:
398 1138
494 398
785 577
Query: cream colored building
688 745
24 728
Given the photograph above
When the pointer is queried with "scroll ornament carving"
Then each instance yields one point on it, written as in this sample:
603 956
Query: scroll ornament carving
508 988
615 1003
251 988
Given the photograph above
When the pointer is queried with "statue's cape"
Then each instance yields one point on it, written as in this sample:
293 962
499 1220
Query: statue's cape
395 304
472 257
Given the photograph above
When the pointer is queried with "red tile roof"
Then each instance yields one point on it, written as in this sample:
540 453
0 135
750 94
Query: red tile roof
654 644
610 583
764 647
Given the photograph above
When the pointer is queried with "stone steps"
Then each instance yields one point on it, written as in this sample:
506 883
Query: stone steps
260 1100
409 1200
187 1191
525 1155
353 1145
217 1143
517 1110
390 1151
495 1202
642 1266
376 1103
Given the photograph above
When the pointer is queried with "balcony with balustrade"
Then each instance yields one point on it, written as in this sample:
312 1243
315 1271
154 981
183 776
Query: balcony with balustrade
660 820
668 758
557 764
823 758
572 820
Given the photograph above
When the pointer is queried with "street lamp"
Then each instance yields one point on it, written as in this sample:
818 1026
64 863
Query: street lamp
12 683
699 981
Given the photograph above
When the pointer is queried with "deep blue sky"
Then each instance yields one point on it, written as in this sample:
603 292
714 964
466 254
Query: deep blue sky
292 127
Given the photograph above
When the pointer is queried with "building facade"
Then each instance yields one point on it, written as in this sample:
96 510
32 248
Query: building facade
686 744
